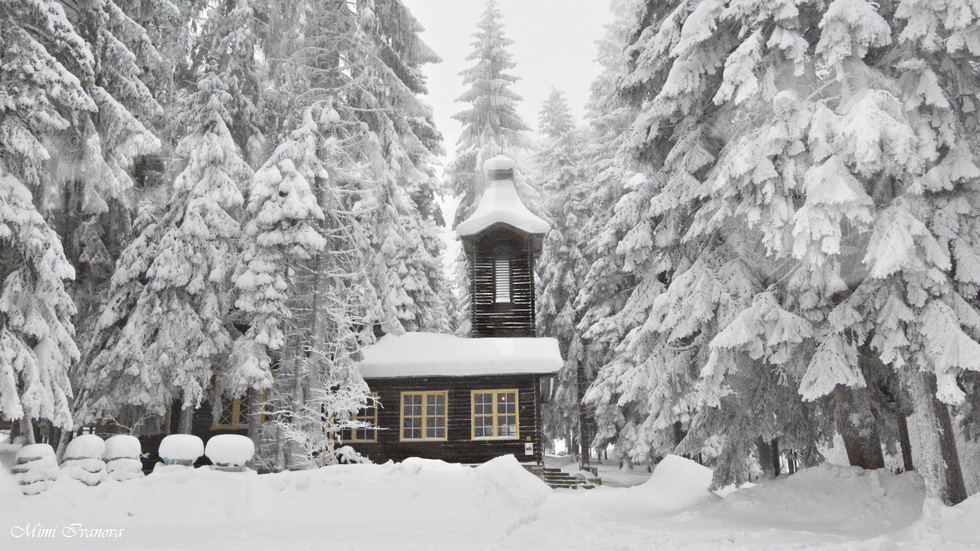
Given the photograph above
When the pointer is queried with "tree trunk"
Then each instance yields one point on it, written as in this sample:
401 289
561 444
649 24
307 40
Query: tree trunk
776 467
255 415
168 421
27 429
585 439
858 427
186 419
939 464
906 443
764 450
678 433
63 440
954 489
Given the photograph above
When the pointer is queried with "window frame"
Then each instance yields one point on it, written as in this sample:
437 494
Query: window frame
496 414
424 417
239 415
238 419
373 419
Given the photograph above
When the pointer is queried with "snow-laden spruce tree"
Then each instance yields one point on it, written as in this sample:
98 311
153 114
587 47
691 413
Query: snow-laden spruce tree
491 124
608 173
812 166
491 127
228 45
37 343
97 164
562 266
166 318
354 70
280 235
44 71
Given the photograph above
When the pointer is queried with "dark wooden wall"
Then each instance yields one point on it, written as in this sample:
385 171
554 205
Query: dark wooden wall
459 446
490 319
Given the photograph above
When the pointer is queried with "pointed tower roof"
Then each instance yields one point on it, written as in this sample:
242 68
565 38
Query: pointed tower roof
500 204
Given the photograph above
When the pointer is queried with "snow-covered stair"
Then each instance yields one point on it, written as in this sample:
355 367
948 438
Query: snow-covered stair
557 478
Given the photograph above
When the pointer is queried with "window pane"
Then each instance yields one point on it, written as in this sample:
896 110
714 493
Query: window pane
435 427
227 412
435 404
413 404
483 427
483 404
507 402
412 427
507 425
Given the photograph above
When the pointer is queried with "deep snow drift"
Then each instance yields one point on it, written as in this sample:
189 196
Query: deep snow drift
423 504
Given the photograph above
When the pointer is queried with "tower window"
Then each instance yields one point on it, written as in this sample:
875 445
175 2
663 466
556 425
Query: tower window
501 279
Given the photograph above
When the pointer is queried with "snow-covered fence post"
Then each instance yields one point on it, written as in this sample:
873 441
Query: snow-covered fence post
83 459
36 466
122 457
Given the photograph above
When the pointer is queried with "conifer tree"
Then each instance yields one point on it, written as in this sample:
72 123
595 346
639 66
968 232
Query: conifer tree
165 322
354 69
563 263
37 343
281 234
828 182
491 125
45 67
608 172
98 174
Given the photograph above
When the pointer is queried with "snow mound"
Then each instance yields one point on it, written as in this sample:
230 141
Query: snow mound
122 445
960 522
678 483
513 485
85 446
436 504
230 450
830 498
181 449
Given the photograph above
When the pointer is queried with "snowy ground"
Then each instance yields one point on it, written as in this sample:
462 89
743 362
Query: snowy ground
422 504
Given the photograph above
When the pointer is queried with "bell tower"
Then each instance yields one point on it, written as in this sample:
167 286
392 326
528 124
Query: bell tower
501 240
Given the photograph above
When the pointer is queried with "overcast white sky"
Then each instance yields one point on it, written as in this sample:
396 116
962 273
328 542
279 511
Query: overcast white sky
554 45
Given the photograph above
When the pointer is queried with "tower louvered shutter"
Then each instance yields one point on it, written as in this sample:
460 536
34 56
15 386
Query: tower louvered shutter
501 273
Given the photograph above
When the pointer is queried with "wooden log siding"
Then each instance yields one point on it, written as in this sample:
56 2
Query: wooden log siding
459 445
488 317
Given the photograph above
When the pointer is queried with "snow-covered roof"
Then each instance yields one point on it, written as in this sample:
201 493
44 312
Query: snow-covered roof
436 354
500 204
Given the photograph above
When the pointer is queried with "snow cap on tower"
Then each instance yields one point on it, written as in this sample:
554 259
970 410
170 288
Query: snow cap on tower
500 204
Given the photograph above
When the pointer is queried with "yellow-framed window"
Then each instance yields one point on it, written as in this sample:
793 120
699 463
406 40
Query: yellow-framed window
424 415
230 414
495 415
367 414
233 414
